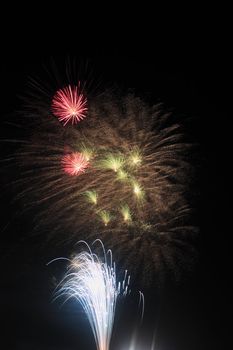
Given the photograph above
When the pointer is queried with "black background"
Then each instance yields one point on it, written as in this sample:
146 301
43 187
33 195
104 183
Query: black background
188 76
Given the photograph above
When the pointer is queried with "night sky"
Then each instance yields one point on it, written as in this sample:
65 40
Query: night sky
193 314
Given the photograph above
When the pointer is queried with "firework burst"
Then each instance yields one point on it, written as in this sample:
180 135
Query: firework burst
134 189
69 105
74 163
93 283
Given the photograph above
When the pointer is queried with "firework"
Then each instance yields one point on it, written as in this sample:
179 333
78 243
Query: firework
105 216
137 172
93 283
74 163
135 158
112 162
91 196
69 105
125 211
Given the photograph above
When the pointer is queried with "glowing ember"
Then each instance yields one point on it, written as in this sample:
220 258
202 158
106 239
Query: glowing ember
69 105
74 163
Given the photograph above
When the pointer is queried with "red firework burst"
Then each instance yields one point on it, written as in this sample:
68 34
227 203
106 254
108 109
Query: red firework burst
69 104
74 163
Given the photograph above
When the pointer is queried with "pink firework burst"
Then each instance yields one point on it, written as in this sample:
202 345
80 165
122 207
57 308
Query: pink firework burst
74 163
69 104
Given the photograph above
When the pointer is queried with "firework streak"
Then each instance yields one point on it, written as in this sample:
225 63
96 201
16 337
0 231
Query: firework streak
93 283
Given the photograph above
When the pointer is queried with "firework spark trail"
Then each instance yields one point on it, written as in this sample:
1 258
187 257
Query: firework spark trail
93 283
132 190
